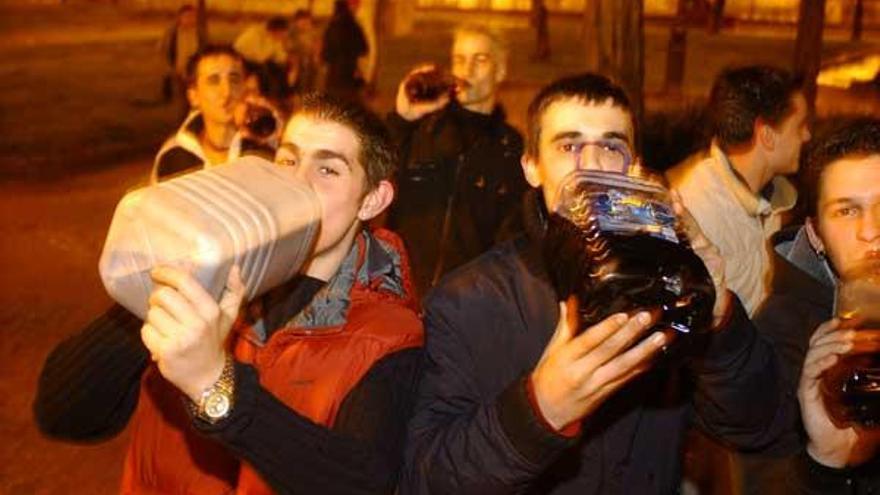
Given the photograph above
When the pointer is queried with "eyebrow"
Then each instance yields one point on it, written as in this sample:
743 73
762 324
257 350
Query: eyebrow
287 145
565 135
617 135
575 134
321 154
838 202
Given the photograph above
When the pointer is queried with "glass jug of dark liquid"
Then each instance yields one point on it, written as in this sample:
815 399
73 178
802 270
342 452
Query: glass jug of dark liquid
614 241
852 386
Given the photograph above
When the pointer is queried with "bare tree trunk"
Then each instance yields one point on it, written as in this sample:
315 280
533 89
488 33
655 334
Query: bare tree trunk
539 20
676 52
614 42
591 36
382 25
716 19
630 55
808 47
858 15
202 23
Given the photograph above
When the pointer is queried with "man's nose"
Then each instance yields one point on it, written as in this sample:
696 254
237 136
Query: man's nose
225 88
869 227
588 158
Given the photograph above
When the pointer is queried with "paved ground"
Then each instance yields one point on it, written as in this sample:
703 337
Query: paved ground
52 237
75 137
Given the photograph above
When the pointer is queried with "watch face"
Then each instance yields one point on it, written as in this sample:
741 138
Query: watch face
217 405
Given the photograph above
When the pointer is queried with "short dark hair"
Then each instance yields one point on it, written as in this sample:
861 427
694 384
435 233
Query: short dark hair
277 23
192 65
586 87
741 95
377 155
846 138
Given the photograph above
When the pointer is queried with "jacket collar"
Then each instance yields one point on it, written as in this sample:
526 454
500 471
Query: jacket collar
782 197
187 137
374 264
799 270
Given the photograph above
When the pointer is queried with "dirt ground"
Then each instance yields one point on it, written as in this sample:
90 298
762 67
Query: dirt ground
78 130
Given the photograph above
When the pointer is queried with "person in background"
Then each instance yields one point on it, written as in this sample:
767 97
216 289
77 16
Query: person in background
305 53
366 12
739 193
213 133
179 42
343 44
840 234
315 378
264 47
460 177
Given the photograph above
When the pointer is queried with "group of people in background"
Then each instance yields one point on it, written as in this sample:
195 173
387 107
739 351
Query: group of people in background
343 380
285 57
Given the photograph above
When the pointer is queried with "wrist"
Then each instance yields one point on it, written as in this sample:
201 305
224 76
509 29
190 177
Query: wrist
570 430
216 401
204 381
829 457
543 407
723 310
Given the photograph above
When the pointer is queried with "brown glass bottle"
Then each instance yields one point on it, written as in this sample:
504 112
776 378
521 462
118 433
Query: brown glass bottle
429 85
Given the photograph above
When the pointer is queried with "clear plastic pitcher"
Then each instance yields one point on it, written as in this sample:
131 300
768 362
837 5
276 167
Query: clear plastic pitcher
248 213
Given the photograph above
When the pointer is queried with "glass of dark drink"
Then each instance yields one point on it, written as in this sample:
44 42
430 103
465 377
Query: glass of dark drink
429 85
852 386
260 122
614 241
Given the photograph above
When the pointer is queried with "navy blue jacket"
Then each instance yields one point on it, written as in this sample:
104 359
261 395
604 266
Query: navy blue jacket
802 298
475 431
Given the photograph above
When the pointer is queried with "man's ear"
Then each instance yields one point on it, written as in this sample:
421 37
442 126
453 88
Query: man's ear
813 237
765 135
530 170
501 70
376 201
191 97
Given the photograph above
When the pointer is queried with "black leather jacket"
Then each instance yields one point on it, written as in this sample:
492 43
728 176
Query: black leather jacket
460 178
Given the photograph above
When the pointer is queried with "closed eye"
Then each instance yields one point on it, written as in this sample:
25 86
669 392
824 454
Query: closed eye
286 161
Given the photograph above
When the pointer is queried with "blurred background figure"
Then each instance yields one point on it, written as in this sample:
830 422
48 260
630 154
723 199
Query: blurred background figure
344 43
367 12
178 44
739 193
305 54
460 175
220 126
264 49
